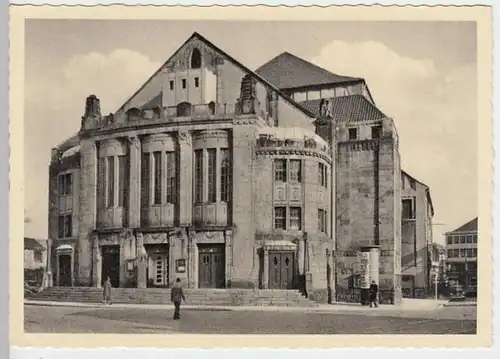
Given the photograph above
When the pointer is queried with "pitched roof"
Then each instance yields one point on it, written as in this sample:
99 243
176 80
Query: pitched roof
352 108
33 244
288 71
470 226
427 189
234 61
69 142
154 102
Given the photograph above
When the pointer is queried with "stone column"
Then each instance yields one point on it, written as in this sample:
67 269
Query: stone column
142 261
265 275
96 262
134 205
229 255
185 178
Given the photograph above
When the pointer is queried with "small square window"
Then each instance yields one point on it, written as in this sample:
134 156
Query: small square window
171 85
353 134
376 130
183 83
196 82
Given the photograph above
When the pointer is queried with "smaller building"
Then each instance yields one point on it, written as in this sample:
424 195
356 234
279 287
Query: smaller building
35 259
461 261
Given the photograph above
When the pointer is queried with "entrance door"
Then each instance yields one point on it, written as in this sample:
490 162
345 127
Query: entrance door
111 264
64 270
160 265
212 267
281 270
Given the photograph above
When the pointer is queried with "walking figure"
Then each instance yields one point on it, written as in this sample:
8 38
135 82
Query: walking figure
106 293
176 296
373 294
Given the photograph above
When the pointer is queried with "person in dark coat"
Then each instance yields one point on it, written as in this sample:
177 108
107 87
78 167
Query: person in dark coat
373 294
106 293
176 296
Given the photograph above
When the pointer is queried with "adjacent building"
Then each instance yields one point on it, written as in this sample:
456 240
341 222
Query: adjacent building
35 260
461 258
287 178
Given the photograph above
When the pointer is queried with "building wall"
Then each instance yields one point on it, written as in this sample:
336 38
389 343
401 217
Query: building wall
461 260
34 259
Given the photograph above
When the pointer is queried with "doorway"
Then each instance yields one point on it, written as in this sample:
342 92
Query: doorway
64 270
281 270
211 266
111 264
160 267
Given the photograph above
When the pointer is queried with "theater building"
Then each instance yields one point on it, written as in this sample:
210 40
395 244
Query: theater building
226 178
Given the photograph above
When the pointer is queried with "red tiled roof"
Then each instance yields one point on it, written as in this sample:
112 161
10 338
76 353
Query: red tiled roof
470 226
353 108
287 71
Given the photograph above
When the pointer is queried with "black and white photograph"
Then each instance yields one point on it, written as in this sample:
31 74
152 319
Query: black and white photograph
231 175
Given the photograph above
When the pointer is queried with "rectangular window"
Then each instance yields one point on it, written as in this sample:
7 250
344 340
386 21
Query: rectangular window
376 131
157 177
450 253
408 209
456 253
472 265
295 171
111 182
474 238
353 134
183 83
280 217
449 240
474 252
65 229
198 176
122 180
463 252
469 239
456 239
462 239
296 218
171 178
65 184
322 221
280 170
196 82
225 175
212 175
322 175
171 82
60 232
469 253
146 179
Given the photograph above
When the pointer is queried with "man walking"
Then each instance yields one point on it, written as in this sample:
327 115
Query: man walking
373 294
176 296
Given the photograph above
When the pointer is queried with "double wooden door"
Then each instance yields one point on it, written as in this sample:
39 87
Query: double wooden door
281 270
211 266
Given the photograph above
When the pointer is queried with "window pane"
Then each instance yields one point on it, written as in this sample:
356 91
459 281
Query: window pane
122 180
456 239
456 253
157 177
111 181
212 175
353 133
295 218
146 179
225 175
450 253
280 170
474 252
408 209
462 239
171 177
462 252
469 239
295 172
469 252
449 240
320 174
198 175
280 217
60 232
68 226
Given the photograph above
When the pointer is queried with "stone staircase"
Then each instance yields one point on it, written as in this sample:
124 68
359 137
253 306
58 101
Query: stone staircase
205 297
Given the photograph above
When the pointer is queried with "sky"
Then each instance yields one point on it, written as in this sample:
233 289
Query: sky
421 74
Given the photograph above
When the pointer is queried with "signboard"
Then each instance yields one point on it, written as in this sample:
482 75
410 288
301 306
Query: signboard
180 265
364 269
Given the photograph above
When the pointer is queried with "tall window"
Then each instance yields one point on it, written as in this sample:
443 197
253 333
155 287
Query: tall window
450 253
122 180
195 59
66 184
474 252
171 178
198 176
225 175
295 218
449 240
469 252
212 175
280 217
196 82
157 177
111 182
65 229
322 175
456 253
322 221
146 178
171 83
280 170
408 209
295 171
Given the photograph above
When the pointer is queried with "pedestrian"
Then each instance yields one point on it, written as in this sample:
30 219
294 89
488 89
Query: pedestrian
176 296
373 294
106 293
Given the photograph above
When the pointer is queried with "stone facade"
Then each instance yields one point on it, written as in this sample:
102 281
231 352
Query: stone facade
220 179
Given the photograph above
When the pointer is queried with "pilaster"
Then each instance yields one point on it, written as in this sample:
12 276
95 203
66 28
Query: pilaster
96 262
191 260
265 275
134 205
142 261
229 255
122 241
185 178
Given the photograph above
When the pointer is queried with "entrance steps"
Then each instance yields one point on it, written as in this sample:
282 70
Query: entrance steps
205 297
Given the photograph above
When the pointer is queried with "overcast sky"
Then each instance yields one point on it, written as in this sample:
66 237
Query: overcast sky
421 74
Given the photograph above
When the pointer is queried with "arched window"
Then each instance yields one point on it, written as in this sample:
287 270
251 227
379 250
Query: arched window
196 59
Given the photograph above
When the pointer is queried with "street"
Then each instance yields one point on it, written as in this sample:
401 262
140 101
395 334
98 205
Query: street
47 319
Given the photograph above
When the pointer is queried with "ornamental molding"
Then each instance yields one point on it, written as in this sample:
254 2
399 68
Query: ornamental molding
272 152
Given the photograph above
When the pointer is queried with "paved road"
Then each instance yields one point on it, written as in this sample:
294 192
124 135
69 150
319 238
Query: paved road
41 319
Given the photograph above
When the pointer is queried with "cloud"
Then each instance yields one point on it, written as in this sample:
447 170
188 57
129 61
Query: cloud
435 112
54 105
